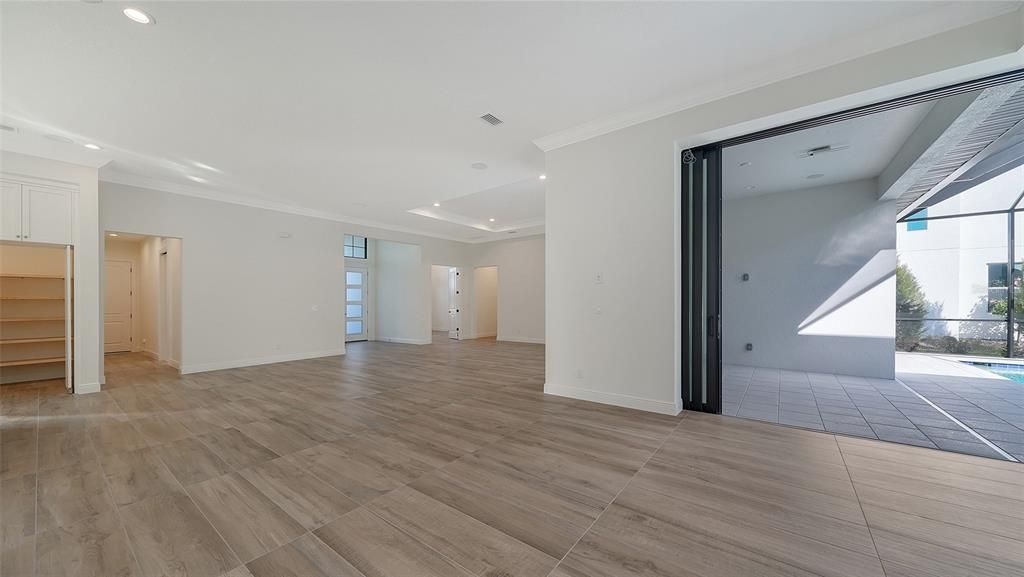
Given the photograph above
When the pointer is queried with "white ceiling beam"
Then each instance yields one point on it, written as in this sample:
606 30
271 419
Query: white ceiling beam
941 129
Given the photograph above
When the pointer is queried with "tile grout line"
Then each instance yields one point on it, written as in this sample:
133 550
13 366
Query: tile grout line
616 497
859 504
200 510
743 397
35 503
990 444
110 495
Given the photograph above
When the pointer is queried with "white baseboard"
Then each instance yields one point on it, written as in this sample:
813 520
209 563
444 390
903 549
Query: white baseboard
529 340
151 354
236 364
484 335
86 388
173 363
630 402
404 341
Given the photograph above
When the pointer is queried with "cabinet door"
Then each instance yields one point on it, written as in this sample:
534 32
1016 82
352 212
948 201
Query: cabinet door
47 215
10 211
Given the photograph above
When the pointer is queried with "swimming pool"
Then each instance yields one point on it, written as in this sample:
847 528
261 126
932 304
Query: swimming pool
1013 372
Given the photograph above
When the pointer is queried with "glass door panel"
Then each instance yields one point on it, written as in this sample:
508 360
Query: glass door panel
356 328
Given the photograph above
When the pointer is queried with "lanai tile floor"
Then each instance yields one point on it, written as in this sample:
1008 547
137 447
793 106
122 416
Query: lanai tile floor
885 409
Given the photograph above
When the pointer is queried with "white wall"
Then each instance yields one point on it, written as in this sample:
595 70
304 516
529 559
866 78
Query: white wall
170 302
148 275
400 319
247 296
612 209
439 320
88 321
821 296
485 285
520 264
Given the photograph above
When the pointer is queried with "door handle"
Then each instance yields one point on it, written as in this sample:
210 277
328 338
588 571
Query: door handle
712 325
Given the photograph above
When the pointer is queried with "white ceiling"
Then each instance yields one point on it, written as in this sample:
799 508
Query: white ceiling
776 164
365 111
516 208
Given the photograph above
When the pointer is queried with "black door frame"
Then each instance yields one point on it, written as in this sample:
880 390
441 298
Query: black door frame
702 259
694 344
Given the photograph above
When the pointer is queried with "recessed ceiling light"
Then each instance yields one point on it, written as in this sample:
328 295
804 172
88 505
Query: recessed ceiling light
92 146
814 176
59 138
437 204
197 178
491 219
136 15
745 163
111 234
478 166
543 177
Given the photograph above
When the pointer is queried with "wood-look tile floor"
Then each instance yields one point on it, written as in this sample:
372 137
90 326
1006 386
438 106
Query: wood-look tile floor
447 460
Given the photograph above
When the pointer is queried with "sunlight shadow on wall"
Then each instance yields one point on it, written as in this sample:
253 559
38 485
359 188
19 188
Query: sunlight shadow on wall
862 306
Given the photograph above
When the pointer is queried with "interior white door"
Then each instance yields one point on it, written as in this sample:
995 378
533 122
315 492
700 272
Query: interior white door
10 211
46 215
356 325
454 312
117 302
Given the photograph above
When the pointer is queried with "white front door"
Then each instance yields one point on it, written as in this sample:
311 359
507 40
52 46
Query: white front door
356 328
117 305
454 314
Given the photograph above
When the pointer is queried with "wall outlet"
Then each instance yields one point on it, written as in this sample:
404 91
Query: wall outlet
598 278
750 346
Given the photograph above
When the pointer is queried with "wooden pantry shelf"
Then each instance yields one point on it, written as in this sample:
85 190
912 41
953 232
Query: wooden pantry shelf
31 298
34 340
31 319
13 275
46 361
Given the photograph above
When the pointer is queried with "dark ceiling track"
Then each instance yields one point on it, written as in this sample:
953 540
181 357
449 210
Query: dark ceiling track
935 94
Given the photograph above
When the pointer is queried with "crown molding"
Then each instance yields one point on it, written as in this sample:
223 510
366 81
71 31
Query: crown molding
230 198
839 50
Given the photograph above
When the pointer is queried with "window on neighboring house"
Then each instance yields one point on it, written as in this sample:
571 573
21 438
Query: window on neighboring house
355 246
997 286
914 224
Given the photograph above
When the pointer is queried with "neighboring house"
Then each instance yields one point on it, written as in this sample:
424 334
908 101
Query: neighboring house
960 263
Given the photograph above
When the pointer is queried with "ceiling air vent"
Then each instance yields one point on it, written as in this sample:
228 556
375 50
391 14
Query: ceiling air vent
819 150
491 119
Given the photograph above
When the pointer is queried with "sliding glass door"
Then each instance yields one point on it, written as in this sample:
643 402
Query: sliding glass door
701 282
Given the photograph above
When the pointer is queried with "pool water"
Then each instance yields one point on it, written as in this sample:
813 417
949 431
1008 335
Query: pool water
1013 372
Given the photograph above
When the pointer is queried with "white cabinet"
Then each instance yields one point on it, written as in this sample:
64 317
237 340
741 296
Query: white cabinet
35 213
45 215
10 211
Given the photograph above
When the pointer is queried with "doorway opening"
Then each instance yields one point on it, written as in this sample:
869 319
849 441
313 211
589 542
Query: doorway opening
446 310
36 315
141 301
868 265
